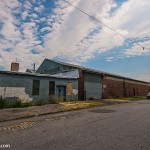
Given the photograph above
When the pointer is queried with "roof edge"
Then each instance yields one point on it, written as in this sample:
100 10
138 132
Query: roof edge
35 74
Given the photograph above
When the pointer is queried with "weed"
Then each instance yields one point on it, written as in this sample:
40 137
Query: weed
27 104
17 104
131 98
53 101
2 102
38 102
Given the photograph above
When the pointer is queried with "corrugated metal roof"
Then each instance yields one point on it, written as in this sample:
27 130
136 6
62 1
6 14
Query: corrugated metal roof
64 63
72 73
96 71
36 74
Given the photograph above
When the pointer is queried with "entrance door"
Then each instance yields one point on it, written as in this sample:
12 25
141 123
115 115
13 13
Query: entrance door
133 91
61 92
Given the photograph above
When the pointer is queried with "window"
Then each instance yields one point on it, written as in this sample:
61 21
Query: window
35 87
51 87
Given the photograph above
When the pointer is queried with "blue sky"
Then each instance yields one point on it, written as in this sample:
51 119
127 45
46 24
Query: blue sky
31 30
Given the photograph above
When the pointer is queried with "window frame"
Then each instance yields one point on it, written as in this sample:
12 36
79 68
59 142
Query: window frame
51 88
36 87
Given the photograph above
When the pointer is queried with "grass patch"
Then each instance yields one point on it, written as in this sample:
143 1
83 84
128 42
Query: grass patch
80 104
132 98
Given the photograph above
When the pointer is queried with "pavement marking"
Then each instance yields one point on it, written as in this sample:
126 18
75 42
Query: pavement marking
17 126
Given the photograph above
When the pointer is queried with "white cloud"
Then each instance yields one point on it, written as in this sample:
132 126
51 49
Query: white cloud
77 26
36 8
144 77
137 51
24 15
40 8
34 15
73 35
46 29
109 58
27 5
20 40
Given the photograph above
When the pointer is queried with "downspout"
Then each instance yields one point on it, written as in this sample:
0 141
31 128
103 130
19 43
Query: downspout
124 87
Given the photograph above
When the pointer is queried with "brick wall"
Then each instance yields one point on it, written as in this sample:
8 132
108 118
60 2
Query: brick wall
112 88
138 89
115 87
14 66
81 85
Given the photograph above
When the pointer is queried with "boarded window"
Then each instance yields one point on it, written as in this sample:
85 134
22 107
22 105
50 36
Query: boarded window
69 88
52 88
36 87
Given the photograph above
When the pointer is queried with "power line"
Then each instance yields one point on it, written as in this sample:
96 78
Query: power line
103 23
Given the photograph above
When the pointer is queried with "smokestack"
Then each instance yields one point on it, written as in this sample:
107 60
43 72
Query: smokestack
15 66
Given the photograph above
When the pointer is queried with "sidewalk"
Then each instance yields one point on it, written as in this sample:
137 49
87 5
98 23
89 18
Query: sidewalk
18 113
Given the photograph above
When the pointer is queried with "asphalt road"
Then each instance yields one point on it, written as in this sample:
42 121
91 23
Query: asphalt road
115 127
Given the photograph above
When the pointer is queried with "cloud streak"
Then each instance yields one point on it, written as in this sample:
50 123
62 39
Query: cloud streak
31 31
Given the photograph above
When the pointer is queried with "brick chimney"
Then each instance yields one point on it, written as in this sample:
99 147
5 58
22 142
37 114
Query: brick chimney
15 66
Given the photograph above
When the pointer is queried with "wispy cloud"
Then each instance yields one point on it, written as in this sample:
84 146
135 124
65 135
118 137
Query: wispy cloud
33 31
137 51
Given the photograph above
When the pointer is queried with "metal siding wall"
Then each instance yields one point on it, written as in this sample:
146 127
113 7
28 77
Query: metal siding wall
15 86
64 82
21 86
90 77
47 65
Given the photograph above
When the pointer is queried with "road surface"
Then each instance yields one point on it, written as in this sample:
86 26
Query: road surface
115 127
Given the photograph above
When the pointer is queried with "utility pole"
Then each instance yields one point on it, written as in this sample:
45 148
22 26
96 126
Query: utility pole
34 67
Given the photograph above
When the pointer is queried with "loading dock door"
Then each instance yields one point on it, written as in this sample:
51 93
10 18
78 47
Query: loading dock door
92 86
93 90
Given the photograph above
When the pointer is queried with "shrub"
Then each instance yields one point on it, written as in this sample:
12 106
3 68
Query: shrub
17 104
26 104
2 102
38 102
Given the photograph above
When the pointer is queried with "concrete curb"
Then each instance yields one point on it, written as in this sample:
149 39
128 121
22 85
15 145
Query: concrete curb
48 113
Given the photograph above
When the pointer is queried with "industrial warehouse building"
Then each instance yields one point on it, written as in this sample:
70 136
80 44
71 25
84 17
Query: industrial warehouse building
66 82
94 84
29 86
